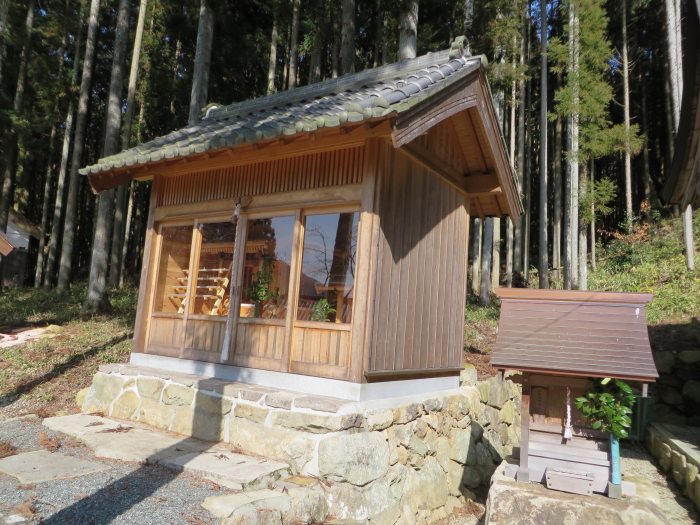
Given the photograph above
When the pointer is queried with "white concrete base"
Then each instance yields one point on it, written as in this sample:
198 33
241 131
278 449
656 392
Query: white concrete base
299 383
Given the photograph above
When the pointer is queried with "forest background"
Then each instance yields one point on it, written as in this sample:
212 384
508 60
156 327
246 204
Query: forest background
587 93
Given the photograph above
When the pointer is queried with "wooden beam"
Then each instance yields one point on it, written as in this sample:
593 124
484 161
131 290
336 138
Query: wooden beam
298 145
486 184
146 284
419 154
523 473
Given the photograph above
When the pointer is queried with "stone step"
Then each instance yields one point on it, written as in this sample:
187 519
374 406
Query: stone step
231 470
136 442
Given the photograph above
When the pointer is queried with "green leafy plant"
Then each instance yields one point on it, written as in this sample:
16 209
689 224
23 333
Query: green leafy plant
322 310
259 289
609 407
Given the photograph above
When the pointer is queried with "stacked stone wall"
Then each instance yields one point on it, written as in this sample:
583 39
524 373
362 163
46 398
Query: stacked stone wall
407 460
677 390
677 457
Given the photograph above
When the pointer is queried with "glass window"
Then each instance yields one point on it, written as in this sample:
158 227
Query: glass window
171 289
268 258
210 294
328 267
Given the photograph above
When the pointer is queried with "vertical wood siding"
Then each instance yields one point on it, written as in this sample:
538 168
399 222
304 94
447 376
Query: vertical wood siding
205 335
165 333
420 284
321 170
259 343
320 352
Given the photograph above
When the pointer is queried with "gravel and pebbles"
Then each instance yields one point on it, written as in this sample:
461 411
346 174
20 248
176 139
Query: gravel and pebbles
126 493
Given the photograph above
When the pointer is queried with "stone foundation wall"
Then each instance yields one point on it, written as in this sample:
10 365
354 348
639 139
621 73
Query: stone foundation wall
677 457
677 390
408 460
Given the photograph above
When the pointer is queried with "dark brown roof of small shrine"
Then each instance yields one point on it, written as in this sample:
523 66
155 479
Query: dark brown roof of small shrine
590 334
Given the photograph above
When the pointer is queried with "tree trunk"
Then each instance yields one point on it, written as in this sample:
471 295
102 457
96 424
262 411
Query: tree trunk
496 254
119 233
572 160
510 241
379 36
317 46
649 193
335 46
408 29
688 237
527 164
520 164
293 45
347 40
45 203
675 64
175 77
557 180
485 288
583 258
127 232
12 136
272 64
626 107
56 223
4 6
97 299
543 262
476 256
592 233
202 61
468 16
64 273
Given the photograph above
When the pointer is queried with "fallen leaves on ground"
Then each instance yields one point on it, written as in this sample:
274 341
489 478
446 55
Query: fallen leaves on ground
6 449
118 428
52 444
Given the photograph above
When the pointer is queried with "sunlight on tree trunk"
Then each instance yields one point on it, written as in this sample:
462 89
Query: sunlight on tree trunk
408 29
202 62
97 298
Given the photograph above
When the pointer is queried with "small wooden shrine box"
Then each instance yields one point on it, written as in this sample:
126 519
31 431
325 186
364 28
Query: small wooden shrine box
560 340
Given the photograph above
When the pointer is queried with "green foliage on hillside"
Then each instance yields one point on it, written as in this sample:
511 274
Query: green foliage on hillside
652 260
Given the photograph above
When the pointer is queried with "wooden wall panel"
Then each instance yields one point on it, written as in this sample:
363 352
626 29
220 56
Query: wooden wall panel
165 334
320 352
259 345
333 168
205 335
419 288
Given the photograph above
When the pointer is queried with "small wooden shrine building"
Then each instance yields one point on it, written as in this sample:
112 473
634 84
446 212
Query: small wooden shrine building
560 340
343 271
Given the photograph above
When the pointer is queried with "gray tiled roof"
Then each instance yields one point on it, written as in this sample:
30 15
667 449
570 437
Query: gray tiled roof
370 94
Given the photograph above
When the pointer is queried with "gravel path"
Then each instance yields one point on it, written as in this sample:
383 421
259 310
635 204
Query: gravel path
639 466
126 493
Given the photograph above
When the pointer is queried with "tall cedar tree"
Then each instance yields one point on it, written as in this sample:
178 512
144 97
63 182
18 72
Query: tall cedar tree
66 265
97 298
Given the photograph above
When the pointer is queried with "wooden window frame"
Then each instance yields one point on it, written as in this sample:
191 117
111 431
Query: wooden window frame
251 216
195 218
195 247
325 210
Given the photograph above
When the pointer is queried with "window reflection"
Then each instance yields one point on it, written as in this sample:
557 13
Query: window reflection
328 267
268 257
213 272
171 289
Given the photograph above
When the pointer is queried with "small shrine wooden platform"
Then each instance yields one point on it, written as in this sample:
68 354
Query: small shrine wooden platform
561 341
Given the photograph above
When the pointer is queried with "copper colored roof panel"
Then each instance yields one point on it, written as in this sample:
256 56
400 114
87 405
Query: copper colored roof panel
5 245
594 334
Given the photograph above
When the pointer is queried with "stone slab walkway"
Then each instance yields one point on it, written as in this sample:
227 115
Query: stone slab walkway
118 493
139 443
41 465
